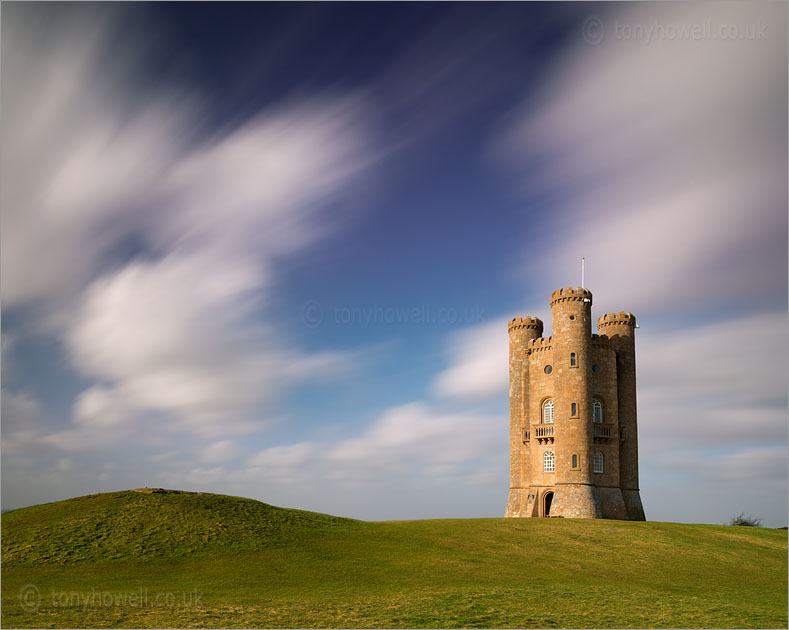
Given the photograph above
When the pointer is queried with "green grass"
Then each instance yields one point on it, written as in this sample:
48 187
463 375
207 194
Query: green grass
127 559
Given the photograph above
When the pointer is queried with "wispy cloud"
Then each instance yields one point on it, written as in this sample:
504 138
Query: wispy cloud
668 158
411 448
178 329
82 147
713 386
145 237
408 439
478 363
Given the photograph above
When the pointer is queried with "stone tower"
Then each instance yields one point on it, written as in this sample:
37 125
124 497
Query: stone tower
573 432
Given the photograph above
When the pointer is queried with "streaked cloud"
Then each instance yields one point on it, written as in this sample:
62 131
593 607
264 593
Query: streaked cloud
667 158
177 329
82 148
478 363
412 448
147 238
716 385
220 451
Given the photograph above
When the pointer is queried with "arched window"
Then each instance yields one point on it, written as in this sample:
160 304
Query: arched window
575 461
547 412
573 409
597 411
598 462
547 461
573 361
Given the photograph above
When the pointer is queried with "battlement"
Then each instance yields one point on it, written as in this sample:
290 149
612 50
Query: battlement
618 319
577 294
541 343
517 323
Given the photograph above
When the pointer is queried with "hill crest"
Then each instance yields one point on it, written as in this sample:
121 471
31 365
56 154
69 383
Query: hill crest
148 523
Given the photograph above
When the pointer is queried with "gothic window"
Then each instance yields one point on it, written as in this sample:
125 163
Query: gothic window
547 461
573 360
575 461
598 462
597 411
573 409
547 412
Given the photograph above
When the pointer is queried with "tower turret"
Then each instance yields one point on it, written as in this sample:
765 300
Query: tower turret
572 336
522 330
620 328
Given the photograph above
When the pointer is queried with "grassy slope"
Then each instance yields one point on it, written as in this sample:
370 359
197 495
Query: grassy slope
251 564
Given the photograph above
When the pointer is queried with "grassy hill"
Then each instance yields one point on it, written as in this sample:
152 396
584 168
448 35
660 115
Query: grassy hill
144 526
130 559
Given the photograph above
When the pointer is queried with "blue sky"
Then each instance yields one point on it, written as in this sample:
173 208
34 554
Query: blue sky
271 250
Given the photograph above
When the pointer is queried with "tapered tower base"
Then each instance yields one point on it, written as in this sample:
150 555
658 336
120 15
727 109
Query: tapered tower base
516 504
612 503
635 510
576 501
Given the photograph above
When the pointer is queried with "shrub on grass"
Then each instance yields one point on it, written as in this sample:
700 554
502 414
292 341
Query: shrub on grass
746 521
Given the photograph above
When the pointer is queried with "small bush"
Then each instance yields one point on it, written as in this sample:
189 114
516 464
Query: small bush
746 521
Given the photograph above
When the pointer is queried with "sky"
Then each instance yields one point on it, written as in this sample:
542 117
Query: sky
270 250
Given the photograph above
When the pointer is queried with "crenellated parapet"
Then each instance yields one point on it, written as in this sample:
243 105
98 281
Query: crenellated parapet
528 323
616 319
539 344
577 294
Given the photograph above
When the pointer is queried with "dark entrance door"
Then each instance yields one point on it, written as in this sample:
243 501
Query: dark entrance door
548 501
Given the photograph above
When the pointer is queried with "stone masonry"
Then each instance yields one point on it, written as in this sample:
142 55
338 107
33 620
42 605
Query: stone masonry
573 433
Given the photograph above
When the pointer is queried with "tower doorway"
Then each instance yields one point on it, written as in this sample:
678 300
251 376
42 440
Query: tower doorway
547 499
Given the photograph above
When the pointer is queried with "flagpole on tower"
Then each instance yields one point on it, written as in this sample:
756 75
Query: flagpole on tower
582 272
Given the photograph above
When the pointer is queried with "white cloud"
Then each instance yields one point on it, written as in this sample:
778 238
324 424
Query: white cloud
417 435
404 442
666 158
81 150
716 385
743 467
99 407
478 363
261 186
286 457
408 450
23 419
221 451
696 485
174 336
96 158
165 457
